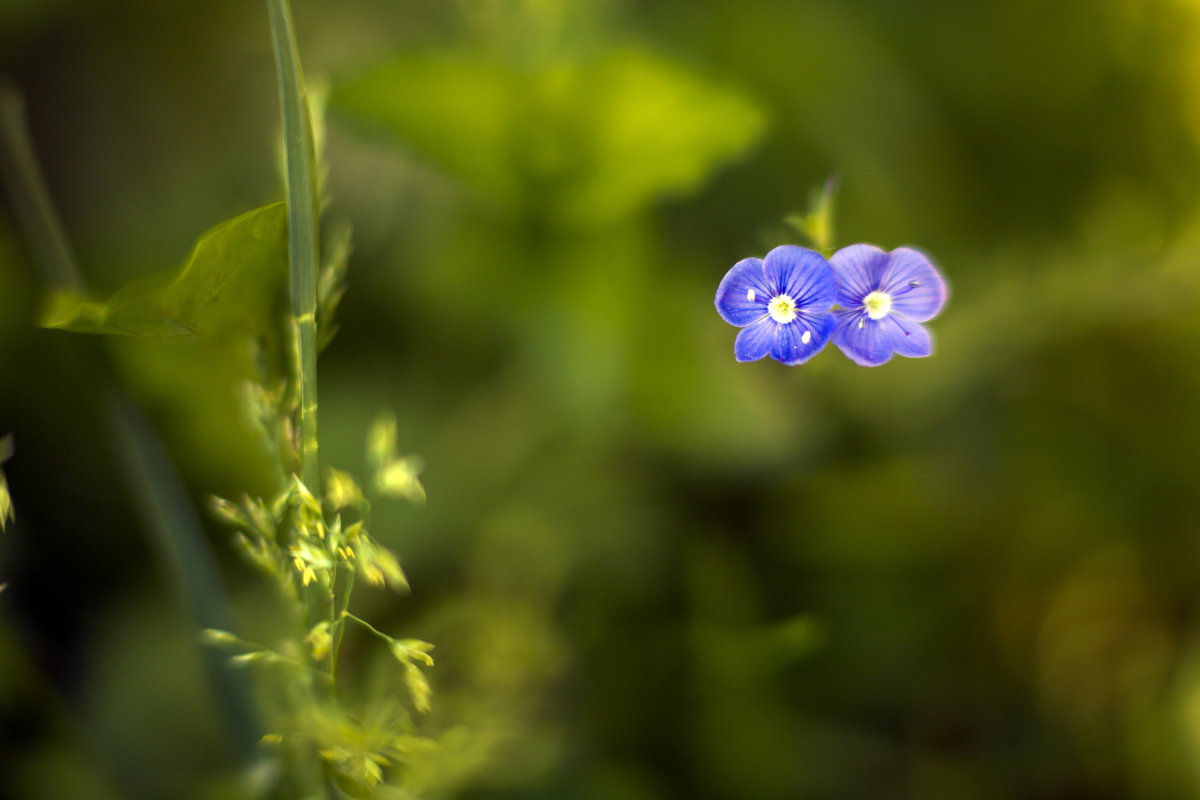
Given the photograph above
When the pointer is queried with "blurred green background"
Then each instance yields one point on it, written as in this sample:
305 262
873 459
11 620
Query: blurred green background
651 572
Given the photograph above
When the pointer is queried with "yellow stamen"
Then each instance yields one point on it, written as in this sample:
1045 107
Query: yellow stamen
877 304
782 309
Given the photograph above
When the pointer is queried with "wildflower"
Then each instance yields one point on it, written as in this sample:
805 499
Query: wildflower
881 299
782 304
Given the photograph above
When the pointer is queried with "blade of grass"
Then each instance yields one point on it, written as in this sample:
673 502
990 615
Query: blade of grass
176 534
302 230
31 203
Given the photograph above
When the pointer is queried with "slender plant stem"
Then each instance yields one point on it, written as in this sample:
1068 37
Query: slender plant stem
339 626
31 201
368 626
302 230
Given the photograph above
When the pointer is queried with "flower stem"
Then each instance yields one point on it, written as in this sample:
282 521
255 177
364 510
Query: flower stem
339 627
367 625
31 202
302 231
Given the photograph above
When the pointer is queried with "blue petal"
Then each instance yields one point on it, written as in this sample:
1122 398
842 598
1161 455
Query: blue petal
802 274
865 341
858 269
874 342
743 294
790 347
908 338
755 341
904 268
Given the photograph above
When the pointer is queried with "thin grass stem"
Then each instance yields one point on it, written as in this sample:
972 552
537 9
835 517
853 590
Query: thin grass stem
300 159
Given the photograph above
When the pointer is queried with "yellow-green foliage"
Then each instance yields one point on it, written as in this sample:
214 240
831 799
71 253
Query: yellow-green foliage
314 555
226 285
581 141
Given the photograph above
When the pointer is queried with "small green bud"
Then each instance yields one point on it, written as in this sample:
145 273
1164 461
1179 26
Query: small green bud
418 687
319 640
341 490
218 637
379 566
353 531
406 651
227 512
381 441
241 659
817 224
262 518
6 507
398 478
411 649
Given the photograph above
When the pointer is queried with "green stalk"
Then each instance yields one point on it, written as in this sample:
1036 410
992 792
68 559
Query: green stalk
31 202
339 627
368 626
302 231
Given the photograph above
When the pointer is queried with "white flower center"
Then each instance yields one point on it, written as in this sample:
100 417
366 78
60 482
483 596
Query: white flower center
782 309
877 304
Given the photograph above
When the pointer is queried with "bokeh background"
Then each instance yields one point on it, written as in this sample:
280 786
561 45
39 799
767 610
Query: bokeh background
650 572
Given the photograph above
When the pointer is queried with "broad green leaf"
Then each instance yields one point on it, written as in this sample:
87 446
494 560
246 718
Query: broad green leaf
579 142
227 284
457 109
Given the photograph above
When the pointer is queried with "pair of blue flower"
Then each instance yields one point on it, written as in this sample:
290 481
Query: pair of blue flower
871 302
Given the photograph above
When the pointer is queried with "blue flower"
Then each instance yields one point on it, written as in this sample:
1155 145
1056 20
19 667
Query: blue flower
782 304
882 298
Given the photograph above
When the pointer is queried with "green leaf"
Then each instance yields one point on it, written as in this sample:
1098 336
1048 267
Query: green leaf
228 283
457 109
581 142
817 224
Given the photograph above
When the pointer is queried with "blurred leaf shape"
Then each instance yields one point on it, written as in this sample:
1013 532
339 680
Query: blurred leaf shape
6 508
1104 646
575 142
226 284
